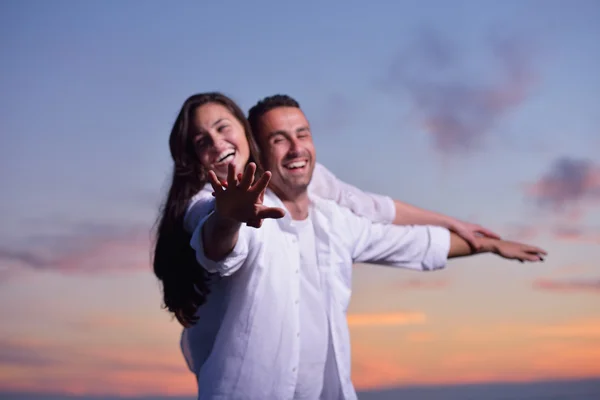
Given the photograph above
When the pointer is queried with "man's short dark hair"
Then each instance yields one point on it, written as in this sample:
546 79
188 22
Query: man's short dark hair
267 104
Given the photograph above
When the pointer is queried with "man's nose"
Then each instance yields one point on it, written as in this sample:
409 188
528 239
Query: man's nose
294 145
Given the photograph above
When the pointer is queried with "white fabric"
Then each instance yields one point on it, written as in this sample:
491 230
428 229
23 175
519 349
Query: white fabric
331 382
246 345
314 330
323 184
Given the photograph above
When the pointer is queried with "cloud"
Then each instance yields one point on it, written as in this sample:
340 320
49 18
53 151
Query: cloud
110 368
576 235
83 249
576 328
458 354
570 286
421 337
567 187
23 354
456 109
422 284
389 319
579 329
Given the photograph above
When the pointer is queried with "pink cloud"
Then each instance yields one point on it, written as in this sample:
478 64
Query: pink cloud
568 187
422 284
41 365
387 319
568 286
88 249
452 106
576 235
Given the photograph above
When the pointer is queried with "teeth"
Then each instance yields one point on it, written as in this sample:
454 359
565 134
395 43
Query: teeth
297 164
225 155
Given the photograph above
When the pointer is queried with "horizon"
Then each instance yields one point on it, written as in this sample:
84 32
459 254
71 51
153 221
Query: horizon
579 389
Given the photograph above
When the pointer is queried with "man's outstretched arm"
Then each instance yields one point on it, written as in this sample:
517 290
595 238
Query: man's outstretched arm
423 247
383 209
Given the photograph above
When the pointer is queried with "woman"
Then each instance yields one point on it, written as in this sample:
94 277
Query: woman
210 133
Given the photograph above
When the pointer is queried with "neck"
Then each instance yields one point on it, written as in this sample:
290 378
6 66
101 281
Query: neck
296 203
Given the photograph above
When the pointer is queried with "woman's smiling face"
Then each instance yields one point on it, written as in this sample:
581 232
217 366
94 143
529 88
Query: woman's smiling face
219 139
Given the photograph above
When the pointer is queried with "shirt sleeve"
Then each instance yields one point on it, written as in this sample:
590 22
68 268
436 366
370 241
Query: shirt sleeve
423 248
199 206
372 206
230 263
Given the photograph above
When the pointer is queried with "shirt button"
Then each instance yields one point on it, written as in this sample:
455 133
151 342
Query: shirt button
297 270
298 334
294 369
296 302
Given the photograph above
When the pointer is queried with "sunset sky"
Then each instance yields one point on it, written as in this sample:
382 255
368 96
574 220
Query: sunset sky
486 111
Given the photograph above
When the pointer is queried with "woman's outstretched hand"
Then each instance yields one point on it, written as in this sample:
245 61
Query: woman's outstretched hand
241 200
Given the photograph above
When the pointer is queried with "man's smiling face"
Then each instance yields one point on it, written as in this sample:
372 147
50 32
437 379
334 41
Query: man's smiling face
287 149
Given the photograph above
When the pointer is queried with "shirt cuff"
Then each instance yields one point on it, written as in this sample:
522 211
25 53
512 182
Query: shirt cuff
388 209
439 247
231 262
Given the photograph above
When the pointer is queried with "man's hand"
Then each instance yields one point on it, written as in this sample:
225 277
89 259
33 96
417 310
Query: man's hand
471 232
242 199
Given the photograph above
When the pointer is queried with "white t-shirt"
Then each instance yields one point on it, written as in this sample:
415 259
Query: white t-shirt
314 330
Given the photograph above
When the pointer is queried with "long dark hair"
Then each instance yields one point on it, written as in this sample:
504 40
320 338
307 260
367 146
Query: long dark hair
185 284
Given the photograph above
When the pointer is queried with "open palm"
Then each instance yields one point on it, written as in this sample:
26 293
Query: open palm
242 199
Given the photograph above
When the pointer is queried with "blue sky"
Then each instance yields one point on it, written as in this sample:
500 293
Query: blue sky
462 107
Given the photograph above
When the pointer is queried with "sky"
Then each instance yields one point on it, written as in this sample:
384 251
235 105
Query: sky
485 111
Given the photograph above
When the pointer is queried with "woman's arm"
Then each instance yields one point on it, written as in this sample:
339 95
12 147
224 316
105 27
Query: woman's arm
407 214
384 209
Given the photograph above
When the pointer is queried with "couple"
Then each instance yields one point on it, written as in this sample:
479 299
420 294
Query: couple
257 264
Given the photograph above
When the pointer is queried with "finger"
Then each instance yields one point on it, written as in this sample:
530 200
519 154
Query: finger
214 182
248 177
224 183
231 181
470 239
270 212
535 250
255 223
239 176
262 183
487 233
529 257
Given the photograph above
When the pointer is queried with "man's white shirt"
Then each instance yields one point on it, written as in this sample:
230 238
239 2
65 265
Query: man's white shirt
248 341
324 184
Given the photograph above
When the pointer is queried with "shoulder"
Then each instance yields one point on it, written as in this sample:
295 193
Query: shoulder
323 183
322 173
338 217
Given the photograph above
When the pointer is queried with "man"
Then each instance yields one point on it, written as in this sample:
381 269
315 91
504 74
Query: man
285 287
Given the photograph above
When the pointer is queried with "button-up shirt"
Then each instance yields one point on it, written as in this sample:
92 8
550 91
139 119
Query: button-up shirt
245 345
323 184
